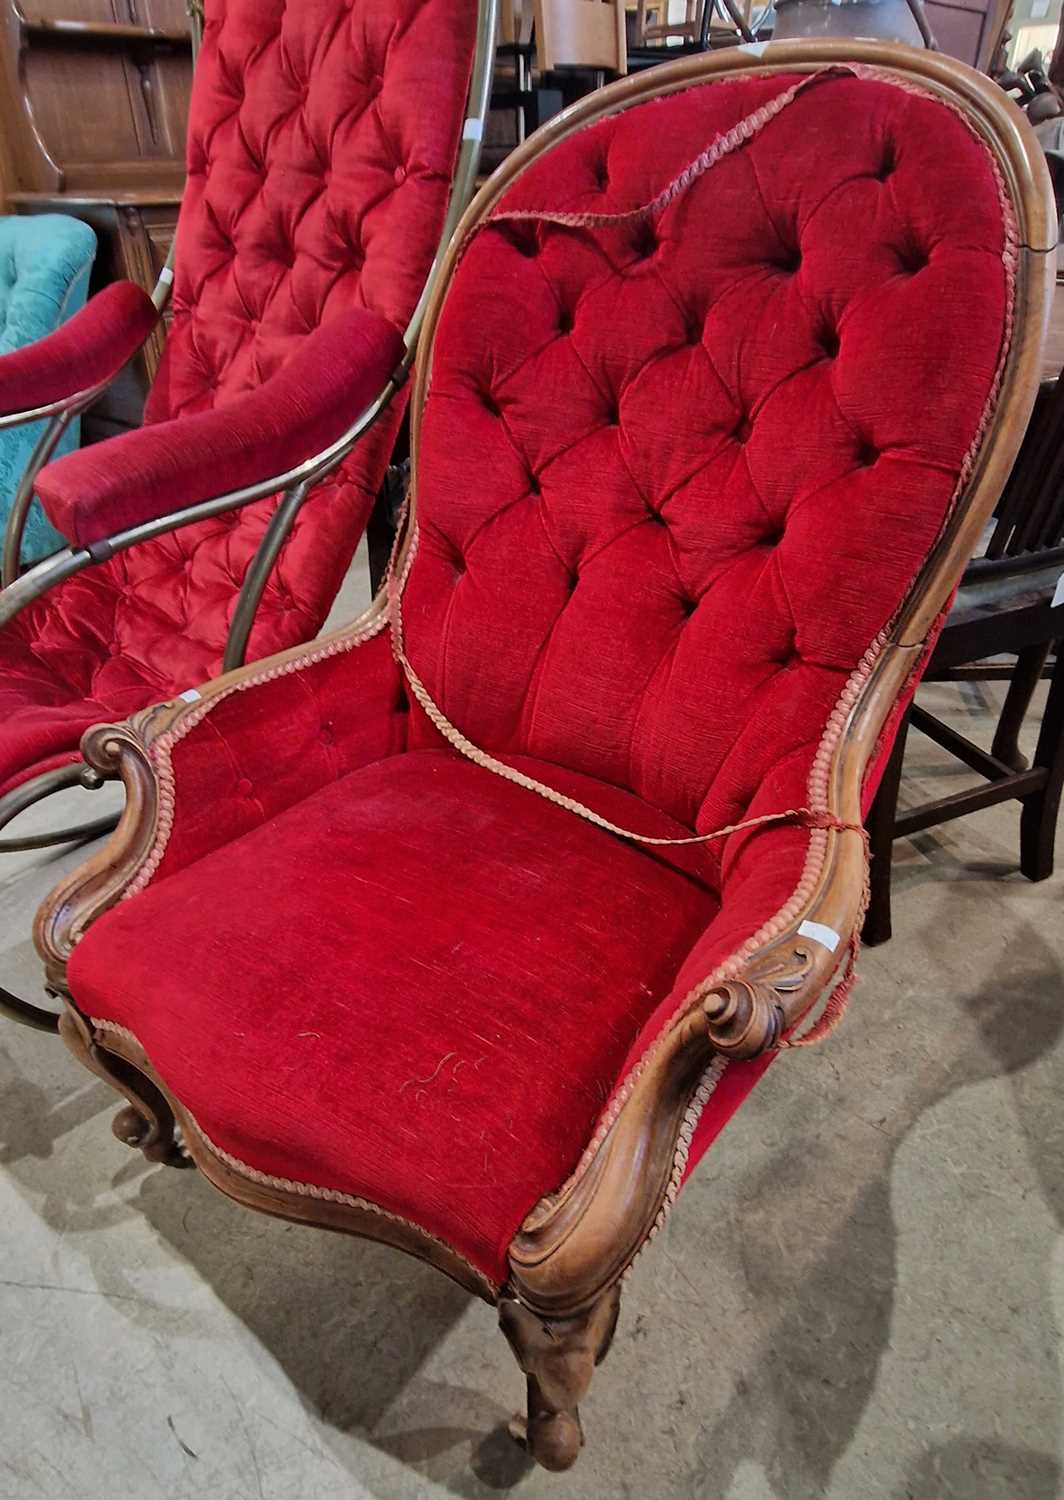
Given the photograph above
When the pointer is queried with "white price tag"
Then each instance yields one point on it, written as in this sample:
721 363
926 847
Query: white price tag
472 130
827 937
190 695
1058 592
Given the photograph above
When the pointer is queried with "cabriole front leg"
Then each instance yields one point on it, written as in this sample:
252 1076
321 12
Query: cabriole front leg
558 1357
147 1122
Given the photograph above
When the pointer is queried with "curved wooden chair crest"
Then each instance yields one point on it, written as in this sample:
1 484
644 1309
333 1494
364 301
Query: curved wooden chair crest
328 162
435 931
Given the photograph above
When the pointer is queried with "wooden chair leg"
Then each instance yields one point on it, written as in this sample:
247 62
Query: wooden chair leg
880 825
558 1356
1038 821
1026 676
147 1121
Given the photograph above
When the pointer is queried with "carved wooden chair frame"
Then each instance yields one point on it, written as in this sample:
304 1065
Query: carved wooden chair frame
559 1306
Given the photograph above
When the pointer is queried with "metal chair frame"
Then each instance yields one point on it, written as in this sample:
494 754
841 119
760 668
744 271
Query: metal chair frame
294 484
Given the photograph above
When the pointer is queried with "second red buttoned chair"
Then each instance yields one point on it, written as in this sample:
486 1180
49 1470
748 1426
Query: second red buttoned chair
323 139
407 929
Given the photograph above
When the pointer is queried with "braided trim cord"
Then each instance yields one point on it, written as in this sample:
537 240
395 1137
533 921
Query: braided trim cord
807 817
721 146
302 1189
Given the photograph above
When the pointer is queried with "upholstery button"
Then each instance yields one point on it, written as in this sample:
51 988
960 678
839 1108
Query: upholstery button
645 242
244 787
888 163
533 485
565 321
601 174
655 516
830 343
911 258
400 174
326 734
789 261
743 428
867 455
524 239
490 404
402 704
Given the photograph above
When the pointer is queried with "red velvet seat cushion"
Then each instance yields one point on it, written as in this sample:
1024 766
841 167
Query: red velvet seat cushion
416 986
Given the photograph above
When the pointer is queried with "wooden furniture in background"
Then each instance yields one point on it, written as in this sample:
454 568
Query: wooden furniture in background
581 34
1010 603
968 29
550 53
94 111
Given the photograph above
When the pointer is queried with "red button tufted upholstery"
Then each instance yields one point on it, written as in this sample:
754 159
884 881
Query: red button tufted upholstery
708 474
292 216
675 477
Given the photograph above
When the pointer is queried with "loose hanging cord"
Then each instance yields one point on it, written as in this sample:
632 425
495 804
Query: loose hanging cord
806 817
721 146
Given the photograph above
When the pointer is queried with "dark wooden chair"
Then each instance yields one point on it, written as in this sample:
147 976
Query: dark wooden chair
1011 601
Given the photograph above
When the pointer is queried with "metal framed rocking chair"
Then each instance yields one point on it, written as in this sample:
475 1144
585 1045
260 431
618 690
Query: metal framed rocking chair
468 927
332 149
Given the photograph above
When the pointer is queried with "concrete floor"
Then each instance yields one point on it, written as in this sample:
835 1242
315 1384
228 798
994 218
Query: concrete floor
859 1297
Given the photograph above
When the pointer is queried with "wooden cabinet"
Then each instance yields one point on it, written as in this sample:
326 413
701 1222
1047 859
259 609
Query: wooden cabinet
94 111
968 29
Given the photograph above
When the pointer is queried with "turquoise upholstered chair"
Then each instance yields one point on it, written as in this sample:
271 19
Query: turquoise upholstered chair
45 261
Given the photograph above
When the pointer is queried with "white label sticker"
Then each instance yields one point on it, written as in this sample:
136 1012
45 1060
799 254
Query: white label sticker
166 274
827 937
190 695
755 49
1058 592
472 130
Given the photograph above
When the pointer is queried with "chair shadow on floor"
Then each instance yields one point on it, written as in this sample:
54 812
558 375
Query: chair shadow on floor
351 1323
799 1403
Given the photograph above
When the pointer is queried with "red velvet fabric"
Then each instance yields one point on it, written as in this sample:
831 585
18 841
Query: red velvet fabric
675 478
88 348
322 139
446 1067
308 404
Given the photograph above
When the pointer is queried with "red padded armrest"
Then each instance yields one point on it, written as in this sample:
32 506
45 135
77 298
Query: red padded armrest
163 467
89 348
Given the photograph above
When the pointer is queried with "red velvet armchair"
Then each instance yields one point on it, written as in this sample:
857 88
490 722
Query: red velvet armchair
323 142
470 926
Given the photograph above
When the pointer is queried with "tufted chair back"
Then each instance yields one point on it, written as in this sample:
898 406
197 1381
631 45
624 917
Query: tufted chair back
715 440
322 138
